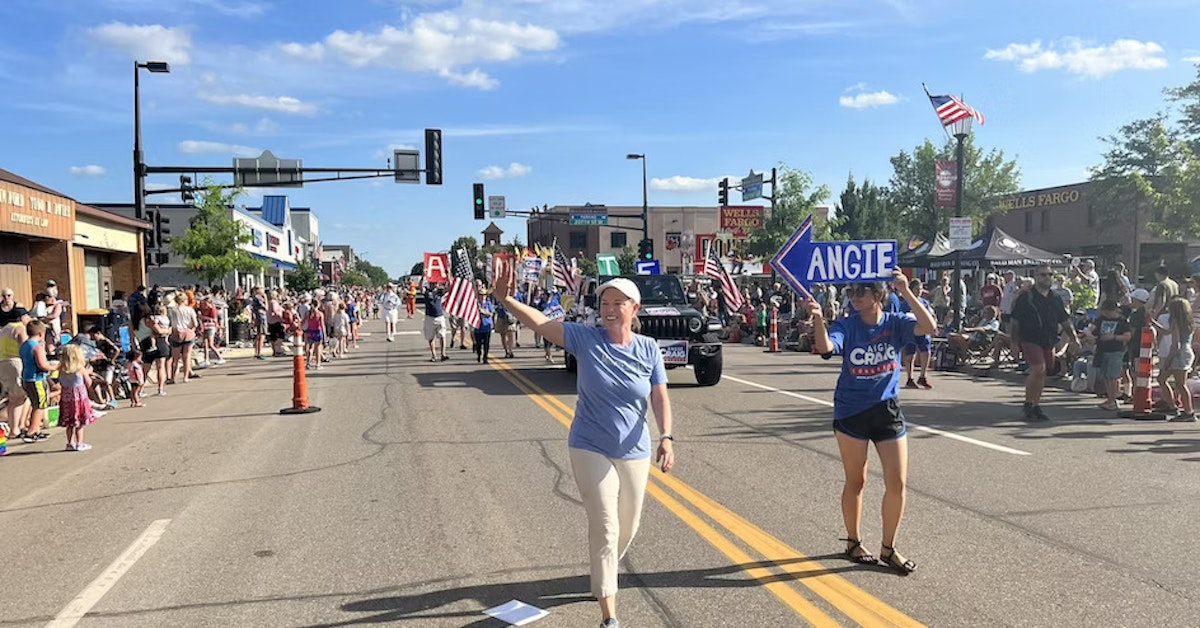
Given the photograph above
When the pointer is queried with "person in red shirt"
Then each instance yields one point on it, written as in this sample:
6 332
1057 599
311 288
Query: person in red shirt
991 292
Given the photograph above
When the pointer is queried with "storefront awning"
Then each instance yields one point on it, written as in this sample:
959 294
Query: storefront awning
276 264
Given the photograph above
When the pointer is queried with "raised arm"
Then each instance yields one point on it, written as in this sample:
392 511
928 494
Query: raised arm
550 329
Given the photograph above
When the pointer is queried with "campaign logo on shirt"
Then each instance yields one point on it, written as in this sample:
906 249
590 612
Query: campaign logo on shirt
877 359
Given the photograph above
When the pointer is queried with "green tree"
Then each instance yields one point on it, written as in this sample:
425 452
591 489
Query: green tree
355 277
304 278
376 275
211 246
588 267
911 188
864 213
795 199
469 243
1187 98
627 260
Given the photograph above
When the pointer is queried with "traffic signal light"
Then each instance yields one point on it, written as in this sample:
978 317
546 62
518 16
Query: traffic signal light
186 191
162 232
723 192
646 249
433 156
480 202
148 236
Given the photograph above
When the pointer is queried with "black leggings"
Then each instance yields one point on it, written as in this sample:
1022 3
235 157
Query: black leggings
483 342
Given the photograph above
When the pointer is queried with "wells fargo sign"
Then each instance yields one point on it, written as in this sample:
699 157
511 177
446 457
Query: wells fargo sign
1039 199
738 220
31 212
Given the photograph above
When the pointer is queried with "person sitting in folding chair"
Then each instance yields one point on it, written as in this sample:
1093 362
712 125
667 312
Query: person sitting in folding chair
976 343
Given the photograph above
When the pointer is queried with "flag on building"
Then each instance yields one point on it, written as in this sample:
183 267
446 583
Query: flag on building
729 290
950 109
461 299
563 272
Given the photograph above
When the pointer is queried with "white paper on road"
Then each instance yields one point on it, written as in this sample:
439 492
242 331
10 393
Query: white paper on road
516 613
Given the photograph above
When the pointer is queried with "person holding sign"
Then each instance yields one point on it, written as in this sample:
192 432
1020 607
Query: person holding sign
866 407
621 375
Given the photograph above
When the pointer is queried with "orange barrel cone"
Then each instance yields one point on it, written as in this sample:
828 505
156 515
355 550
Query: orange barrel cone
774 346
299 380
1143 367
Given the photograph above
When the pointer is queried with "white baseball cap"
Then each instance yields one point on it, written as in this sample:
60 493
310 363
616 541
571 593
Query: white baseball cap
625 286
1140 295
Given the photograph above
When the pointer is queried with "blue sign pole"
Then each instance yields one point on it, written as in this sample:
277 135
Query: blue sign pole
802 262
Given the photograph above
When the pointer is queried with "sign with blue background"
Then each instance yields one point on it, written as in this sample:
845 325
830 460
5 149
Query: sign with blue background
802 262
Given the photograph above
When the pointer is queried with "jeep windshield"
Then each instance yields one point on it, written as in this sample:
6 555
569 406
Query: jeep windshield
660 289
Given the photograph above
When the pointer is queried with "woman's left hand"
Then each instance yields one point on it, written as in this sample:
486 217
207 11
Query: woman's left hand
666 456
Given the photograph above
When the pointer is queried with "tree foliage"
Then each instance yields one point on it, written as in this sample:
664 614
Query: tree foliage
304 279
795 199
911 188
627 260
376 276
864 213
211 246
354 277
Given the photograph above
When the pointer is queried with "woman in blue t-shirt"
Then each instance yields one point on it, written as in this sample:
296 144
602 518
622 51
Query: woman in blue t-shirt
865 407
619 370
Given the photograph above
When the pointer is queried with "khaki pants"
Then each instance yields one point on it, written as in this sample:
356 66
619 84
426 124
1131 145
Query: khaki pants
612 492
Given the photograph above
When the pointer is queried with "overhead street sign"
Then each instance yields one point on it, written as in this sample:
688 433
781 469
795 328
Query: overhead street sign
268 170
407 165
496 207
588 217
802 262
752 187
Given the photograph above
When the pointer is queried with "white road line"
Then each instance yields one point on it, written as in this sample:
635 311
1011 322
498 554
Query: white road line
951 435
106 580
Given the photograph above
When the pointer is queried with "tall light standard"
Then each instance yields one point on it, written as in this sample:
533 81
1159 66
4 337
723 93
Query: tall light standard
960 129
139 163
645 198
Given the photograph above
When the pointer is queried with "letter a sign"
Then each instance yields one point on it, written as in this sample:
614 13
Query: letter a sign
437 267
803 262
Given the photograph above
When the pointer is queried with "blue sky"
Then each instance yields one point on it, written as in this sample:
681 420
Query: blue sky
542 99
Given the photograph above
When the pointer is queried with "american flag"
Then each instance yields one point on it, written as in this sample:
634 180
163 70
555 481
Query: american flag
562 271
461 300
713 268
950 110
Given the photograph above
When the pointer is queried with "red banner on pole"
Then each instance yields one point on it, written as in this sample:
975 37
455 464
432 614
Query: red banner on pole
945 180
437 267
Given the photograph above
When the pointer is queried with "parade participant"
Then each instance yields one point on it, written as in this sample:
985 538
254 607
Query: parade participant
483 335
35 378
866 404
1038 316
391 307
410 298
609 440
435 325
74 407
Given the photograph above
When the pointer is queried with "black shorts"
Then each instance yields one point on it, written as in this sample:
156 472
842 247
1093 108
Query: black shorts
275 331
881 422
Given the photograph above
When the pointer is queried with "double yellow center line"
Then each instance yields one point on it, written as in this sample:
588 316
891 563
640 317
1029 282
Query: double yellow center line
858 605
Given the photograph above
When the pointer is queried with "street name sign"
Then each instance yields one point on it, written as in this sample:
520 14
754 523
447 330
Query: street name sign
496 207
588 217
752 187
648 267
802 262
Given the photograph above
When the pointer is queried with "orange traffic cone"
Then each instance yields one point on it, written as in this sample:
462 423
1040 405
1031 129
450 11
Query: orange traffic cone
1143 407
773 347
299 379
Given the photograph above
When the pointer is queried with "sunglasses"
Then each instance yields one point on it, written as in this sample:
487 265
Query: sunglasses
862 290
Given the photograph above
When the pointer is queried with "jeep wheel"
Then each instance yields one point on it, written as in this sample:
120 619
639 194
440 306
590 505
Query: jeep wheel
708 370
571 364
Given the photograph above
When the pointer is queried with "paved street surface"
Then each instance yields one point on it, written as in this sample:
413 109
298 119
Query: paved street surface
425 493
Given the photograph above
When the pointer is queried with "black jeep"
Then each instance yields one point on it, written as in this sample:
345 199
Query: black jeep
684 335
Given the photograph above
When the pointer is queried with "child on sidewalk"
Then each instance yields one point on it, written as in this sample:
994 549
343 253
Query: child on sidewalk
1112 333
75 408
341 331
137 378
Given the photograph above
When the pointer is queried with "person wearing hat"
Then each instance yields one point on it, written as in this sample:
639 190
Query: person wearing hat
1137 316
621 375
866 405
1039 319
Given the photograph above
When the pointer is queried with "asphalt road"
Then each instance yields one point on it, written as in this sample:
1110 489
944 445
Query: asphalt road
425 493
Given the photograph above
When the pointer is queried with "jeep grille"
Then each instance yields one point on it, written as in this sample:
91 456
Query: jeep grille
666 327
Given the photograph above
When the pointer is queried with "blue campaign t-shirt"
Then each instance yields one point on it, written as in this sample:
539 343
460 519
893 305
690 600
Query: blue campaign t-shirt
870 360
485 322
905 309
614 390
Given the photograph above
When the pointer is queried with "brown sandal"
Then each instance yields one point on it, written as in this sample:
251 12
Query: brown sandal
863 559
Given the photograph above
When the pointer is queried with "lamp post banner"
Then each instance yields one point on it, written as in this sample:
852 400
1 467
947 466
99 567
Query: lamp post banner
945 178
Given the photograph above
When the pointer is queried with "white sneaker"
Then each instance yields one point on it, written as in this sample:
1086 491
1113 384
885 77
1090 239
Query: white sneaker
219 361
99 415
82 447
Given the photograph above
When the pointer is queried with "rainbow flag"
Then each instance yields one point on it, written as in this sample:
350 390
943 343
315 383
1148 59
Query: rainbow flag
3 438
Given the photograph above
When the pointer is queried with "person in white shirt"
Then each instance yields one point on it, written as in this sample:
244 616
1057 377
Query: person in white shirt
390 302
1012 288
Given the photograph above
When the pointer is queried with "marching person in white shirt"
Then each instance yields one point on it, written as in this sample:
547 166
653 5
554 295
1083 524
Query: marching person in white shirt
390 302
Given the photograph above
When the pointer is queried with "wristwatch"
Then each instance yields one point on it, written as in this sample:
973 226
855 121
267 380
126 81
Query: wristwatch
667 437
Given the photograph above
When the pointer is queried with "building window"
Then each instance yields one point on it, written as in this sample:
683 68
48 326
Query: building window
578 240
617 239
1045 220
1028 222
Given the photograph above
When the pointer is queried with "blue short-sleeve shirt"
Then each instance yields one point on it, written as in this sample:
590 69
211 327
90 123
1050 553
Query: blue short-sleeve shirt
870 360
614 385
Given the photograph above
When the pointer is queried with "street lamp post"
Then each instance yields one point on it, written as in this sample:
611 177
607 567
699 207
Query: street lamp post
960 129
139 163
645 198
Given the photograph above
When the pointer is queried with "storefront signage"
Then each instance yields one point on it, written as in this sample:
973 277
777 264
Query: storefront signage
1039 199
738 220
30 212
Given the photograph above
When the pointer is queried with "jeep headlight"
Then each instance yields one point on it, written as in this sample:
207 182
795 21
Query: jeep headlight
694 324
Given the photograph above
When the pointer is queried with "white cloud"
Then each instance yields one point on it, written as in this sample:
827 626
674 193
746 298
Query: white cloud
513 171
152 42
1074 56
387 154
433 42
865 100
196 146
87 171
687 184
282 104
1195 59
264 126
